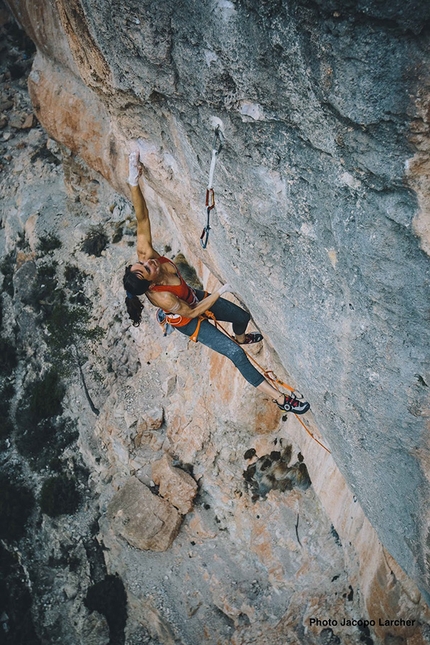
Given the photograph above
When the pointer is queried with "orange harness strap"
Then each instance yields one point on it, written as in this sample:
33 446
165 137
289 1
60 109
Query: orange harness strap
208 315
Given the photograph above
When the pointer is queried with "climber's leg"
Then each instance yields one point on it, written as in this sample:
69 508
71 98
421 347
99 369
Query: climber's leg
226 311
212 337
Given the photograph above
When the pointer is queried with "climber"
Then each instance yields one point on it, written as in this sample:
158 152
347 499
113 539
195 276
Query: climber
159 279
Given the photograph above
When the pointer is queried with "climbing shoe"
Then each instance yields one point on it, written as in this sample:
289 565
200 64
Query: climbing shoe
252 337
291 404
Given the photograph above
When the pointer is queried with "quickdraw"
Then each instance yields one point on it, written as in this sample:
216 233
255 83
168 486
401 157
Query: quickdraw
210 194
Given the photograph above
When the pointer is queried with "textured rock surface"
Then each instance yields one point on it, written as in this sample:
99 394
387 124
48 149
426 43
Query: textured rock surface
314 214
322 196
238 571
145 520
175 485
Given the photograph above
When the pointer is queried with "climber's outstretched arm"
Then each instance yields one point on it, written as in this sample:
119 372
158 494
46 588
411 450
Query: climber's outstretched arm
145 250
139 204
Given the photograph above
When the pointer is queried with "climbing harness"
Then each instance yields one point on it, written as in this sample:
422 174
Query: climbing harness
269 375
210 194
208 315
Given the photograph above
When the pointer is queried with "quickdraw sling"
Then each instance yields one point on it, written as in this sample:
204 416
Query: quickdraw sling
210 194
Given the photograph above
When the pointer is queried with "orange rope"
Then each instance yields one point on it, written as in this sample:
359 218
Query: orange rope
268 374
311 435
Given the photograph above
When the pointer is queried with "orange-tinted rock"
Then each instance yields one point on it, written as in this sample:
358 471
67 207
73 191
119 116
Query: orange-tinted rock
29 122
74 116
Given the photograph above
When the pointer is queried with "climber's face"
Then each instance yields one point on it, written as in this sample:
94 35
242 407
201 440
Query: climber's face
148 270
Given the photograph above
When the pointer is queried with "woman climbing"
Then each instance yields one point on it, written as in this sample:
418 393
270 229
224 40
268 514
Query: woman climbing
159 279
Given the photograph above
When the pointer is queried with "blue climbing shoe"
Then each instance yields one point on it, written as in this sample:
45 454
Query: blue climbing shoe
291 404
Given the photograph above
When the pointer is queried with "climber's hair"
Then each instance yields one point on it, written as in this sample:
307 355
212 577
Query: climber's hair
133 284
134 287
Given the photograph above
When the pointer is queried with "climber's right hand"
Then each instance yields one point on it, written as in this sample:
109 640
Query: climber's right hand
134 168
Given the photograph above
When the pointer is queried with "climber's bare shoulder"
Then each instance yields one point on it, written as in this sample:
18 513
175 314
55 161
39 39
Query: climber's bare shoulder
166 300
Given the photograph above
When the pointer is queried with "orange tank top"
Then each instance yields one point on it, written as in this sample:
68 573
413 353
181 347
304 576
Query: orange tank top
182 291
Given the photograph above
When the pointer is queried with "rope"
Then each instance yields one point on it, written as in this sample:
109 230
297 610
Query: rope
269 375
210 194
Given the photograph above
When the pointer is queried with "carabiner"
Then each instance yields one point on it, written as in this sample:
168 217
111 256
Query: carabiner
210 198
218 139
204 237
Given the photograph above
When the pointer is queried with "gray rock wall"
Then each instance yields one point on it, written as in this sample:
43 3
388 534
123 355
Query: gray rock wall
315 206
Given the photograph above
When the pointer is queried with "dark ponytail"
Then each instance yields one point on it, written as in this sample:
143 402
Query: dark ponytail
134 309
134 287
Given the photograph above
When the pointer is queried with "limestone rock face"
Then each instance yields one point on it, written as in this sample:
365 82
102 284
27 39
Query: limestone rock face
175 485
317 227
322 228
145 520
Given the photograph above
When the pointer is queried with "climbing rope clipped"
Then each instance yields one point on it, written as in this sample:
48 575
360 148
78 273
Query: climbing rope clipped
210 194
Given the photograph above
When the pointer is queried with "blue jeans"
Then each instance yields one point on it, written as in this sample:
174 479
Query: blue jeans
212 337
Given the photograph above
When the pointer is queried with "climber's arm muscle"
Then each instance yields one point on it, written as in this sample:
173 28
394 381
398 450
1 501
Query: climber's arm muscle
145 250
169 302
